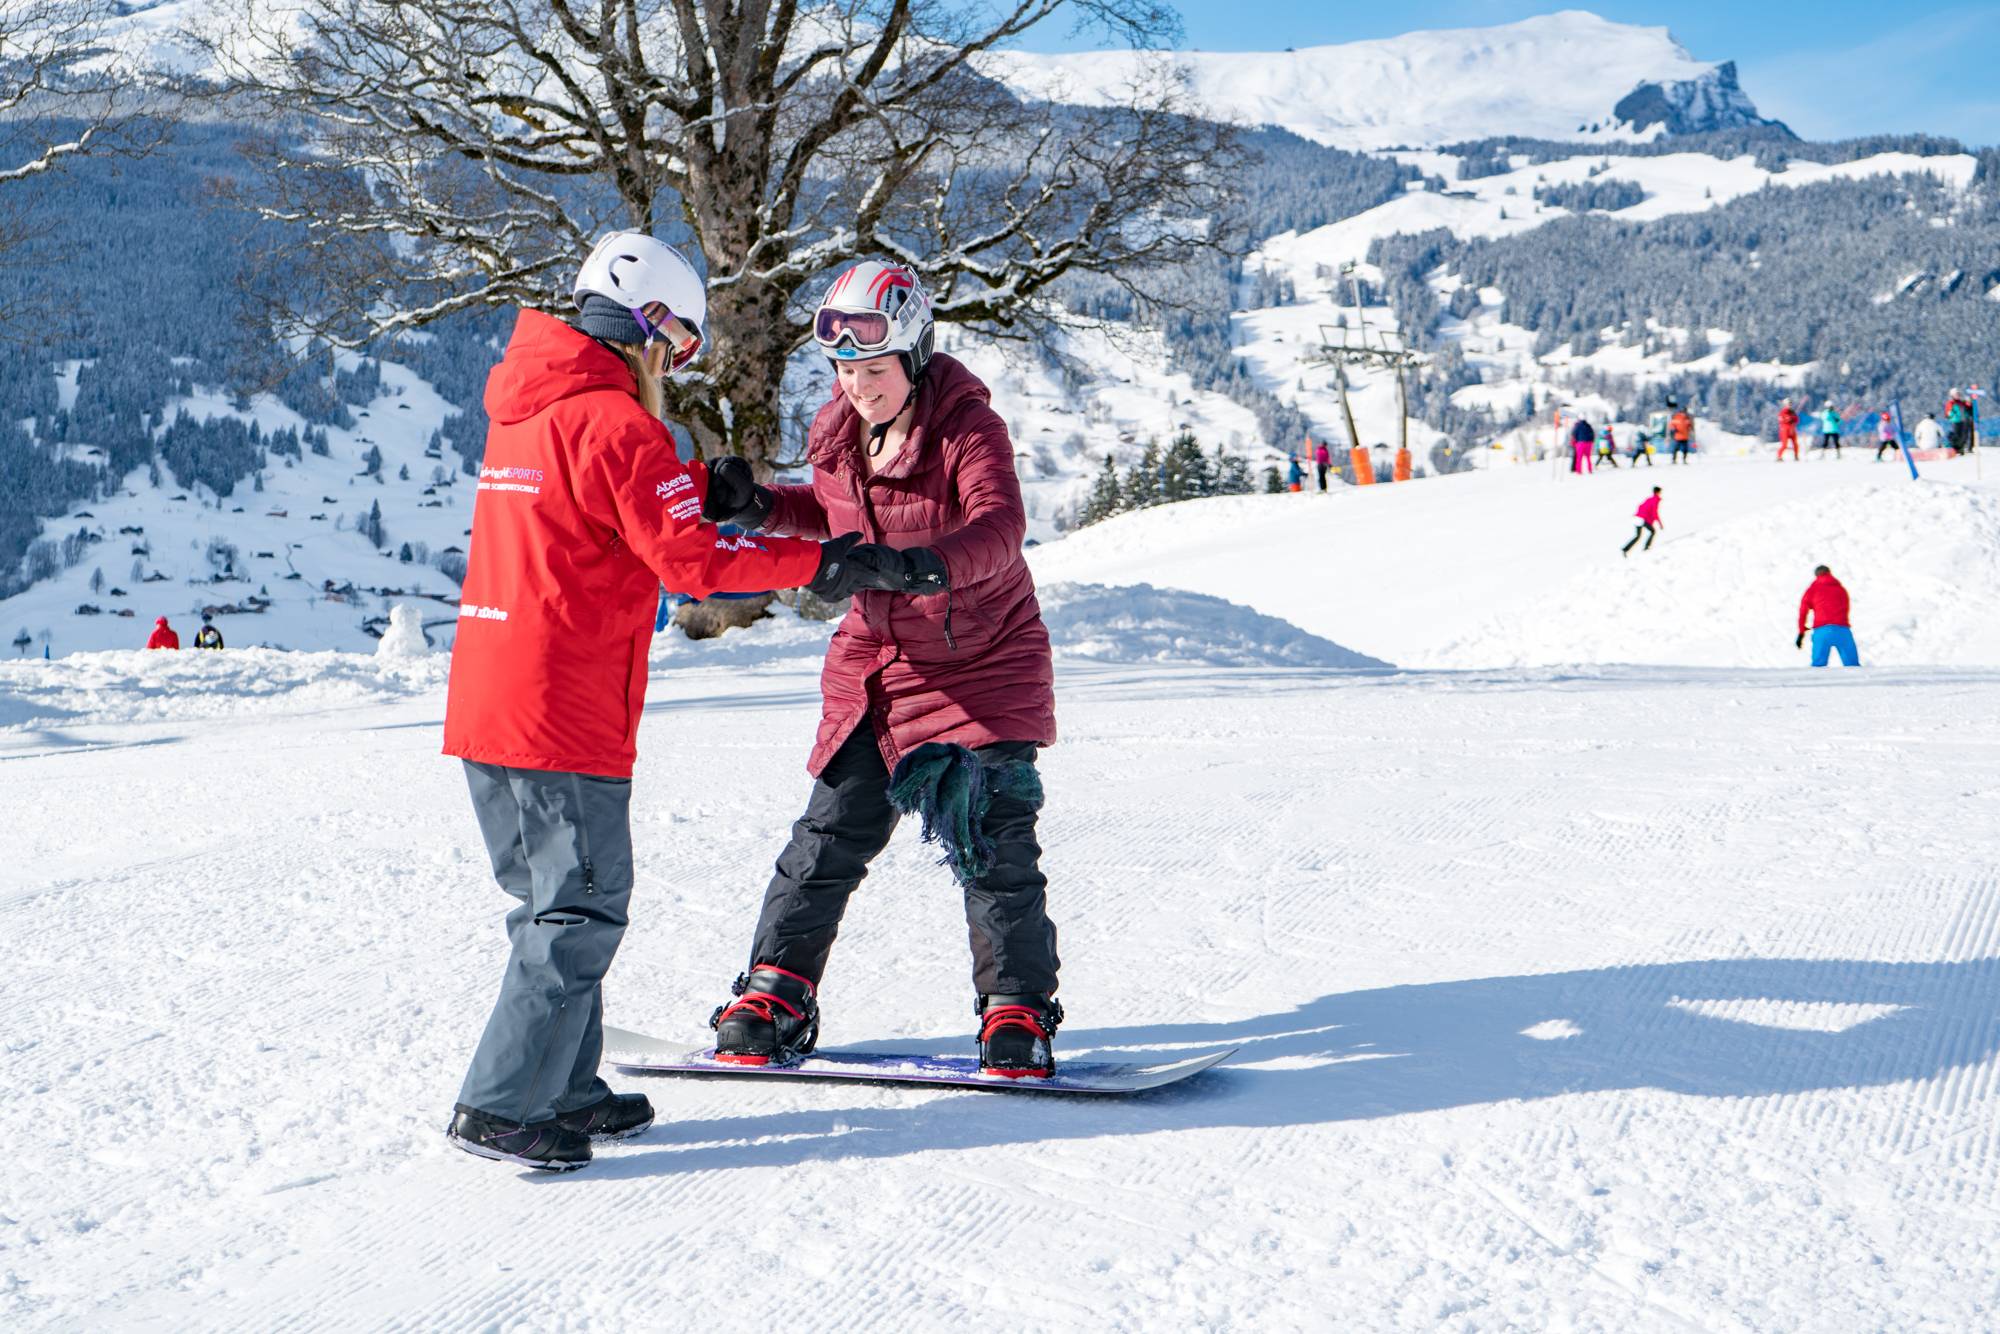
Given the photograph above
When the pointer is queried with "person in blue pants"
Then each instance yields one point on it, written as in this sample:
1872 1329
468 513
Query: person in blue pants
1825 605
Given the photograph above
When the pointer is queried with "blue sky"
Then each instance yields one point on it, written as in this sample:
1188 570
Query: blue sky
1828 68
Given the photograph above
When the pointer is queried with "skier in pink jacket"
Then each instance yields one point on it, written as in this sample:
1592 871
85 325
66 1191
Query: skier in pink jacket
1648 515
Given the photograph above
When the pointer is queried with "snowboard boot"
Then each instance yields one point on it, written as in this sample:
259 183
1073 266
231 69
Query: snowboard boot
546 1146
1015 1035
613 1116
775 1021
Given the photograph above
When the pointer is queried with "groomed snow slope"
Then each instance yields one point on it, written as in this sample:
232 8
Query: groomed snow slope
1610 999
1545 77
1521 566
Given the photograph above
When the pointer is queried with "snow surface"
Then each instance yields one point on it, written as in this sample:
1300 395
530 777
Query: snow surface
1521 566
1547 77
1634 998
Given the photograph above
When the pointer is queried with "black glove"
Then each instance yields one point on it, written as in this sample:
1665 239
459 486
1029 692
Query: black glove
1800 642
836 576
734 496
918 571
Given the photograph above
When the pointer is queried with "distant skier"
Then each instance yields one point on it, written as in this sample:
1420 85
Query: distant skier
1929 434
1682 430
1887 437
1295 476
163 635
1658 422
1829 428
1825 606
1650 522
1607 447
1958 418
1642 447
208 636
1322 460
1582 443
588 510
1788 430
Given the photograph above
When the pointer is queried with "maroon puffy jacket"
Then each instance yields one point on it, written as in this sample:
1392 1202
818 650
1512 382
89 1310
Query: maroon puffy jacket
583 508
971 666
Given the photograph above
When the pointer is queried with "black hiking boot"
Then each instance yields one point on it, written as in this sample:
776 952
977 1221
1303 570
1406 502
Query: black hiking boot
613 1116
774 1021
1016 1035
547 1146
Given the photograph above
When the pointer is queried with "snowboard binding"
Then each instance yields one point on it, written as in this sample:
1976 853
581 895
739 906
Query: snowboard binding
1016 1035
774 1021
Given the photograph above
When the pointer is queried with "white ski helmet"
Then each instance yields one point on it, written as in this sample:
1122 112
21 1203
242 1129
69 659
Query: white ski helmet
636 270
874 308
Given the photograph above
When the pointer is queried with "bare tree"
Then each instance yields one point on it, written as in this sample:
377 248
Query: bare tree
465 153
61 95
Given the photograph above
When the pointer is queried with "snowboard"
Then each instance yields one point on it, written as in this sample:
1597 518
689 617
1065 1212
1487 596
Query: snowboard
637 1052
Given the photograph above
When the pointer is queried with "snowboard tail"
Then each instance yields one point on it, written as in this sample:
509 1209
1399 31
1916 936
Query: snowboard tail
637 1052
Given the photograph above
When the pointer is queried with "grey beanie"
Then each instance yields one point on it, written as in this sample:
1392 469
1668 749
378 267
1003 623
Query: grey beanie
601 317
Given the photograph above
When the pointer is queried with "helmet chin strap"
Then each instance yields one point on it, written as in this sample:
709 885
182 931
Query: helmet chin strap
878 434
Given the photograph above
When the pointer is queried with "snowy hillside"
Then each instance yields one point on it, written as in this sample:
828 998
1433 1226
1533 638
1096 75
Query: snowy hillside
1555 76
1621 999
1521 566
286 565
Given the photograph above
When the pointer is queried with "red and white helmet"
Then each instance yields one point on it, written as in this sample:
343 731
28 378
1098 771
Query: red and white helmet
636 270
874 308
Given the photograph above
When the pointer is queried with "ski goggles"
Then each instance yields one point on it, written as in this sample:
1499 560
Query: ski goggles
863 330
682 339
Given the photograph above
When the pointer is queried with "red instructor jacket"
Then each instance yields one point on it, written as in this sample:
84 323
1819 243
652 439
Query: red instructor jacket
1826 600
583 510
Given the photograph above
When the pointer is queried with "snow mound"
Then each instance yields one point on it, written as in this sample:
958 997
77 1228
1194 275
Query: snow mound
1919 559
1141 623
405 636
137 685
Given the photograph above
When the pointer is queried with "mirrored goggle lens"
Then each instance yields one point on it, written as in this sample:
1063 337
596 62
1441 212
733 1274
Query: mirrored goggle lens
864 329
683 338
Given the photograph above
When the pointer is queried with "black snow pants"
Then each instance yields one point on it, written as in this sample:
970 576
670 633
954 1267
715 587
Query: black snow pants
1645 530
847 823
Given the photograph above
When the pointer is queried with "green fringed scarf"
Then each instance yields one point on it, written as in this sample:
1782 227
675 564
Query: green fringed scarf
952 789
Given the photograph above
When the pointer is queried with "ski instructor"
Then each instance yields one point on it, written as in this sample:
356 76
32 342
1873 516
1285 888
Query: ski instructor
937 690
583 509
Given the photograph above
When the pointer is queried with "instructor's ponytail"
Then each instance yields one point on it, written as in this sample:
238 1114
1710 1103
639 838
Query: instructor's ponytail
651 396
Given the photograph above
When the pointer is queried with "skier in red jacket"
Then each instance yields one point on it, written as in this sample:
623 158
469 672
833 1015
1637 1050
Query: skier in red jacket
1825 607
1650 523
583 509
163 635
938 688
1788 431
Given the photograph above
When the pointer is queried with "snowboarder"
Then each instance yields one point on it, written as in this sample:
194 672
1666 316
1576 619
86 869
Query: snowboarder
937 690
1607 447
1829 428
1582 443
1929 434
1648 515
1887 436
1322 460
583 509
208 636
1825 605
1788 430
1682 430
163 635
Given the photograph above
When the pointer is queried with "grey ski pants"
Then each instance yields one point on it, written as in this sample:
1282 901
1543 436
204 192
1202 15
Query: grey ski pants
561 844
848 822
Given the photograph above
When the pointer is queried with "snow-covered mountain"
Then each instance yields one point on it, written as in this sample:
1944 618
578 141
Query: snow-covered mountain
1556 76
